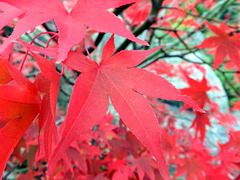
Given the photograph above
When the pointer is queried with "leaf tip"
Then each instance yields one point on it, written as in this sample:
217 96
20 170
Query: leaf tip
191 102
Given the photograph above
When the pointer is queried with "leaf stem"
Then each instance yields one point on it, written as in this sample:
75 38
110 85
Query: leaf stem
25 57
85 45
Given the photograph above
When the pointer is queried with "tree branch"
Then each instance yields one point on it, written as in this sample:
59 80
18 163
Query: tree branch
156 6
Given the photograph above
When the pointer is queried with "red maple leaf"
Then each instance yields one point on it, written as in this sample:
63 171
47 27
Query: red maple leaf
192 167
197 91
72 24
199 123
229 158
48 82
224 45
195 161
143 164
138 12
227 118
20 102
170 146
233 141
115 77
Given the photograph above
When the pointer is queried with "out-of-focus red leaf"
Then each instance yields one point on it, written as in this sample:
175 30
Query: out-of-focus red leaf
199 123
224 45
170 145
144 164
197 90
192 166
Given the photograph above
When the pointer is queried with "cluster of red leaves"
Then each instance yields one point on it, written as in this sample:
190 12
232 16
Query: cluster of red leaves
108 151
114 77
190 155
138 13
109 146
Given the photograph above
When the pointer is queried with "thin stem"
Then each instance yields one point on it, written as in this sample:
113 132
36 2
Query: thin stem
86 49
50 41
25 57
229 83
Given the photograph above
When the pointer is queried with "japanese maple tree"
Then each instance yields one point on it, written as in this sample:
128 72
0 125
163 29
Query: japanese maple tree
119 89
